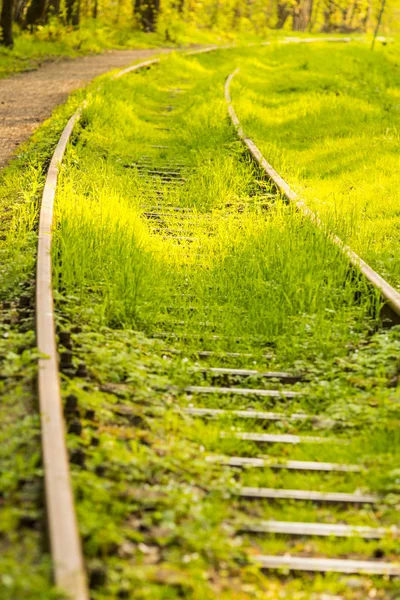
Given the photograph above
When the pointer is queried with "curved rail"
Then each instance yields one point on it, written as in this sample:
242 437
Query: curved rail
389 294
65 543
69 572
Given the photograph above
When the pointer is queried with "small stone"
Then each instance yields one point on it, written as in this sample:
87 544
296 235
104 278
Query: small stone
126 549
355 583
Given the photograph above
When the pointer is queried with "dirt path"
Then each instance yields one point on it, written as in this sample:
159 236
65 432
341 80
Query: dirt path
28 99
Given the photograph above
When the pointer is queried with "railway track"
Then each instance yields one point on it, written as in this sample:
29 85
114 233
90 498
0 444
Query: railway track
230 390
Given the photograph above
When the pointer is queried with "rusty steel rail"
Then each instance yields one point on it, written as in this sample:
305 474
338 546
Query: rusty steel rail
390 296
65 543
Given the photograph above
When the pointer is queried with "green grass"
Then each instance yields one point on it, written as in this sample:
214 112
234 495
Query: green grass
157 520
327 119
231 268
256 275
24 564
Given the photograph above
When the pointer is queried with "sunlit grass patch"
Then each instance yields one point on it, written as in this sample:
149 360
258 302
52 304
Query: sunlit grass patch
260 269
328 121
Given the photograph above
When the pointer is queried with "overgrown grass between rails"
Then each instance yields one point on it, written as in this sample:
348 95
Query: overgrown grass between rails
328 119
252 272
262 271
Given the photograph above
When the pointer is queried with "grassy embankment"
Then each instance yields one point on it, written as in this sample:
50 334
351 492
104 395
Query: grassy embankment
24 561
327 118
154 516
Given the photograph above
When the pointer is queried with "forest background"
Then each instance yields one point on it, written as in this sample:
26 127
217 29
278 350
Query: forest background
44 28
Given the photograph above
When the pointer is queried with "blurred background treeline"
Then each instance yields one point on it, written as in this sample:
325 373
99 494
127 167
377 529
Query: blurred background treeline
81 26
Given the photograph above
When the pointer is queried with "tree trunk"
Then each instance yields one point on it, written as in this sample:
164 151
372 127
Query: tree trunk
237 13
328 14
302 15
53 9
367 17
283 13
214 13
73 12
36 13
147 12
314 16
6 19
136 8
95 9
19 9
378 24
350 14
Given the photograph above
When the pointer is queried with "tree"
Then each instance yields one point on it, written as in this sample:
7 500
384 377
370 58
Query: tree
36 13
283 12
147 11
73 12
53 9
302 15
19 11
378 24
6 20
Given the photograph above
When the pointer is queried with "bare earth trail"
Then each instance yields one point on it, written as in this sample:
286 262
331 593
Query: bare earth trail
27 99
